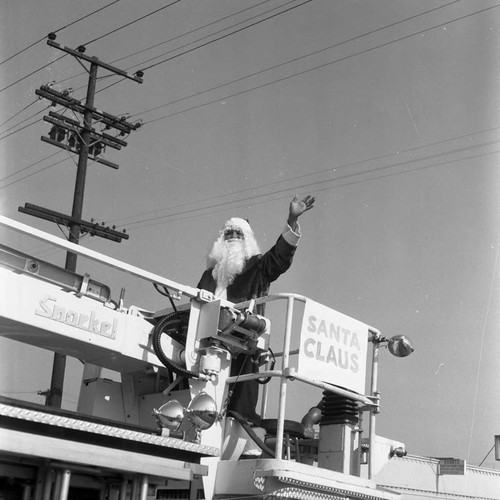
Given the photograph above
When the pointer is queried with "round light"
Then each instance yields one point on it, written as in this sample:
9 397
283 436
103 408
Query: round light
202 411
170 415
400 346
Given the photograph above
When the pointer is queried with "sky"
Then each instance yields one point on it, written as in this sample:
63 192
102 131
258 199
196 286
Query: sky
388 112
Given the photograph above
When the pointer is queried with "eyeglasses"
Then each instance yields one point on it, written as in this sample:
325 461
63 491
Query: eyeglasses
231 233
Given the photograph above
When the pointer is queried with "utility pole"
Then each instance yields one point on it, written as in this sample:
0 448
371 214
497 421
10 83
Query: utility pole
81 138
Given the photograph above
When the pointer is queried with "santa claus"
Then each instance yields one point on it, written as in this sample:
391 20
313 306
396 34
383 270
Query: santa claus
238 271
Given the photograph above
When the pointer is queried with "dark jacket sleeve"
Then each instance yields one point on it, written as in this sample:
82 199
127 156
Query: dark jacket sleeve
277 260
207 281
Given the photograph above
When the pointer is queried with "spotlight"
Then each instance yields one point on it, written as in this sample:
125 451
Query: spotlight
398 452
202 411
170 415
400 346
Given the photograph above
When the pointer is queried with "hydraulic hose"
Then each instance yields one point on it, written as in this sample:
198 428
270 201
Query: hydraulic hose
174 325
241 420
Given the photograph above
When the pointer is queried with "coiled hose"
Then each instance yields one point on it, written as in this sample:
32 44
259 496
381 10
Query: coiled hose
175 326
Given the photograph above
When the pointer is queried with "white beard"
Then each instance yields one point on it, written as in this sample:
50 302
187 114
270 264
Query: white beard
230 261
227 258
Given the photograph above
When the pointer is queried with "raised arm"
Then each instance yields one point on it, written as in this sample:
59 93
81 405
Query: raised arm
297 208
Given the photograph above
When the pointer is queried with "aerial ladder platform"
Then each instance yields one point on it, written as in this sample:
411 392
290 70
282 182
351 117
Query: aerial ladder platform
163 430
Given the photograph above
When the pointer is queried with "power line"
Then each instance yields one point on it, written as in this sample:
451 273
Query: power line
29 166
177 37
195 212
57 31
297 58
405 36
267 184
278 80
223 206
211 41
34 173
32 73
313 184
21 122
89 42
151 13
19 129
132 22
192 31
267 69
26 107
227 35
18 113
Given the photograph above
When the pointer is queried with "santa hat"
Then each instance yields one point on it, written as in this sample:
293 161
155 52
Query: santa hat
241 224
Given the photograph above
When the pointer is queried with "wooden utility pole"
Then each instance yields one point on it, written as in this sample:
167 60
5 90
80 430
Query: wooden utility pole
82 139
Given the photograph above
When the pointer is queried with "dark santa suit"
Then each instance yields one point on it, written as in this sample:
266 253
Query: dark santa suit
253 282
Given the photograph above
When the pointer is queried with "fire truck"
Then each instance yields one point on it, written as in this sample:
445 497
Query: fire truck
163 429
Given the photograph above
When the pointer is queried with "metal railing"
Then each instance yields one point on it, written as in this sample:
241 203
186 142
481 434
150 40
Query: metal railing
288 373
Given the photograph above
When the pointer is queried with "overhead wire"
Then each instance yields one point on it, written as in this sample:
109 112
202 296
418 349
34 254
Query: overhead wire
26 107
352 55
229 34
342 167
193 31
203 45
59 58
285 193
57 31
19 130
343 42
28 166
289 191
35 173
32 73
131 22
338 44
251 25
18 113
21 122
320 66
185 214
267 69
316 183
173 38
91 41
188 33
143 69
427 29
